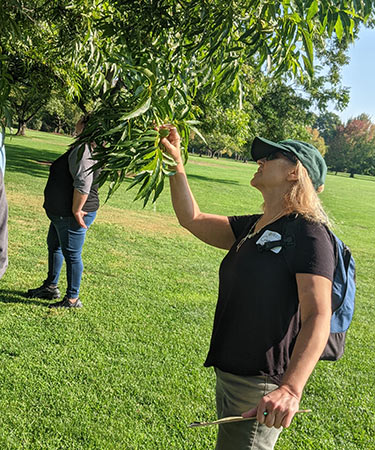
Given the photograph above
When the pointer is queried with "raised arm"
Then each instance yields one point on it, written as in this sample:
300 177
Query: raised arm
210 228
314 292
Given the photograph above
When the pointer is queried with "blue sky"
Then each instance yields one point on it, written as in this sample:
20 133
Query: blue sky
359 75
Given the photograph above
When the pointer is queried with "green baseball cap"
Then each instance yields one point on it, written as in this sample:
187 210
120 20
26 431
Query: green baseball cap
309 156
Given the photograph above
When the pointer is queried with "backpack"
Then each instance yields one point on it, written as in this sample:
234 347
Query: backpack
343 288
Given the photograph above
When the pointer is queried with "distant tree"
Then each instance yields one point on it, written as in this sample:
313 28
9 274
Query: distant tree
32 87
360 138
37 44
336 155
327 123
352 148
282 113
317 140
269 107
59 115
225 130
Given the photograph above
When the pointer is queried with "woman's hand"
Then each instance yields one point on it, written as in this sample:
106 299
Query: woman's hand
280 406
210 228
79 216
171 142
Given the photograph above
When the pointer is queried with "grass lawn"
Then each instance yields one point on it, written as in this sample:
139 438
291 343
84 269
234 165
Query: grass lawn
126 371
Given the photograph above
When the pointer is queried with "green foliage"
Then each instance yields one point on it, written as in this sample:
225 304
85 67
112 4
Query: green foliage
224 125
324 88
194 47
283 114
145 62
270 107
327 124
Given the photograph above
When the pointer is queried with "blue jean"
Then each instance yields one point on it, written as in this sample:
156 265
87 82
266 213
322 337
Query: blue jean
65 240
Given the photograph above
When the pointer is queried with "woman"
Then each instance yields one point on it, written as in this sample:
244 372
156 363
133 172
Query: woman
272 318
71 202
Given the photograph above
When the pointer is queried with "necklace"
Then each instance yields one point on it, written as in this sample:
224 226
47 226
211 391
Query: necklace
252 231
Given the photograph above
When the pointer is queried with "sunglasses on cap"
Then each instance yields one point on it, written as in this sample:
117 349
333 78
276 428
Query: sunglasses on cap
277 154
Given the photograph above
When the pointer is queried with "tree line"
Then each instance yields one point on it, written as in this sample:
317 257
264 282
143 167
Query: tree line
227 131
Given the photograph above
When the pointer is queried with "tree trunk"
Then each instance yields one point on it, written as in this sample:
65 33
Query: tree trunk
21 128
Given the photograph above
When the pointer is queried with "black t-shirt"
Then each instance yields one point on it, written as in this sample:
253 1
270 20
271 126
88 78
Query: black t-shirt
257 315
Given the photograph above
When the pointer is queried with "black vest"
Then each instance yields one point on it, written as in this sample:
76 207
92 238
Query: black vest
58 193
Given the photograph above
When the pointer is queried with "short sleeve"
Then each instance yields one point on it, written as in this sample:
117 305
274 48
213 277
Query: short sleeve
242 224
80 170
315 251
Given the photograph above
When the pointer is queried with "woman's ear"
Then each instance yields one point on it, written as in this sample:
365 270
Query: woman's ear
292 175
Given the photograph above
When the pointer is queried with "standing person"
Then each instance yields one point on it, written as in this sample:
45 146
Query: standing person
3 209
272 318
71 201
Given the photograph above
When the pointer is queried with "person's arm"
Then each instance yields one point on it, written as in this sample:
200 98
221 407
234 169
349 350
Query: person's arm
210 228
79 200
82 182
314 292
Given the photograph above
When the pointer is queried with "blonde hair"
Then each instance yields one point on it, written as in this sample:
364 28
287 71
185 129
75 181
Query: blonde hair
303 199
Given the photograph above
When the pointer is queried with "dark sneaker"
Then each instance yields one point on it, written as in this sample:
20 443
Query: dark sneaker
45 291
65 303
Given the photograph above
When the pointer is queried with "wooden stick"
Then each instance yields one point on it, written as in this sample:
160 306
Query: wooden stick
232 419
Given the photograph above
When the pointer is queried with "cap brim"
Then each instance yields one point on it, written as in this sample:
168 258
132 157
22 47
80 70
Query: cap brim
263 147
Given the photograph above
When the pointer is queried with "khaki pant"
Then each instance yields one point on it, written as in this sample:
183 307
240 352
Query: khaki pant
234 395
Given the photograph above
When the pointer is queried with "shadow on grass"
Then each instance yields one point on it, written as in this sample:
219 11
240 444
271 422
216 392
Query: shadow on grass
7 296
356 176
215 180
9 353
29 160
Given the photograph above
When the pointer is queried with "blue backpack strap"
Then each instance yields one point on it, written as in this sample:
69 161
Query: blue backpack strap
343 295
343 288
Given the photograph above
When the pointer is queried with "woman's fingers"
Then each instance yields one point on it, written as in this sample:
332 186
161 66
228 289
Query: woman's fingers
171 142
173 133
251 413
277 408
167 144
270 418
79 215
